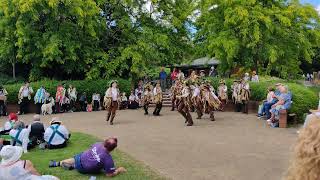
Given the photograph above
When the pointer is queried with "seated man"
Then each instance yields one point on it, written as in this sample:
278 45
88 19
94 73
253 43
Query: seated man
57 135
20 135
36 132
284 103
93 160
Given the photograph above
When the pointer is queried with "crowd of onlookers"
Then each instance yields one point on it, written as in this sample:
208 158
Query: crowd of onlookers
278 98
16 138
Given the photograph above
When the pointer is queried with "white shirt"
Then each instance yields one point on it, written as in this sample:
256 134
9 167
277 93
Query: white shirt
57 139
73 93
196 92
8 126
255 78
132 97
124 98
114 94
23 137
25 92
270 96
96 97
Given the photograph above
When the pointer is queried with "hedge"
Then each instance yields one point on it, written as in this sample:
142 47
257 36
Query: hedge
88 86
303 98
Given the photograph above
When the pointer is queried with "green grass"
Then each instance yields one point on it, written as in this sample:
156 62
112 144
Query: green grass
78 143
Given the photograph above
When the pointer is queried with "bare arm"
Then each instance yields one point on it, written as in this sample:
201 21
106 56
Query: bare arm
29 167
117 172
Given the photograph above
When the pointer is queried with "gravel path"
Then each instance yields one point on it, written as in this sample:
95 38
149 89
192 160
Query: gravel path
235 146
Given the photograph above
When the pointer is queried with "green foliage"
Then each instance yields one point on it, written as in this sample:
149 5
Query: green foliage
88 86
303 98
95 38
78 143
270 36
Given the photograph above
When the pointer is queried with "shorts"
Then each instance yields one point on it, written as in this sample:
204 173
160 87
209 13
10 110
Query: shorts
77 163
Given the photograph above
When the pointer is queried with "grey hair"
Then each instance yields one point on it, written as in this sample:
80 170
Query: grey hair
18 125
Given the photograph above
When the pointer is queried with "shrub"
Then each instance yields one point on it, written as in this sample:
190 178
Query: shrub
303 98
88 86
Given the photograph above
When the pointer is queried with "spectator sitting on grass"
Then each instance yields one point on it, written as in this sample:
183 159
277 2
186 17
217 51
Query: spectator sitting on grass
36 132
305 164
5 138
20 135
284 103
269 100
11 167
57 135
93 160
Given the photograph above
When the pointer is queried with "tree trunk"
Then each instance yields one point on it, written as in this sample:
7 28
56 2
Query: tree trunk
14 70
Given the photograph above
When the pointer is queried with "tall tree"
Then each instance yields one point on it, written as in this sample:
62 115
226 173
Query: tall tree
270 36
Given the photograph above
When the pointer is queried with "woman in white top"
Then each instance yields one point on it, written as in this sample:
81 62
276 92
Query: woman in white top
72 93
24 97
255 77
23 169
112 95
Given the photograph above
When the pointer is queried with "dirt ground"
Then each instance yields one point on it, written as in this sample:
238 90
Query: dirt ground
234 147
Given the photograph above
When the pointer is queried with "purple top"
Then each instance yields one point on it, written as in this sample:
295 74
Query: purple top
97 158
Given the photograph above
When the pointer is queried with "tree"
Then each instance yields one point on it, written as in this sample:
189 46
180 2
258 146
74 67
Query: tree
269 36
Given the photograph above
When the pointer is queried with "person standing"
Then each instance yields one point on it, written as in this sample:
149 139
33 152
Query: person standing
223 94
157 94
245 95
182 103
212 72
163 79
197 100
113 96
96 101
308 77
72 93
174 75
24 97
60 94
212 102
255 77
3 99
40 99
147 97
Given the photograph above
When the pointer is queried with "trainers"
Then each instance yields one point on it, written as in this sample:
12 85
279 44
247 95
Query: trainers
67 166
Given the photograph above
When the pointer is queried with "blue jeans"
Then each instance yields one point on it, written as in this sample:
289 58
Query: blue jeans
266 108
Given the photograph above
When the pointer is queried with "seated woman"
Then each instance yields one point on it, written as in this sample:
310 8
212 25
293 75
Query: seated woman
284 103
95 159
269 99
133 101
36 132
124 101
23 169
20 135
57 135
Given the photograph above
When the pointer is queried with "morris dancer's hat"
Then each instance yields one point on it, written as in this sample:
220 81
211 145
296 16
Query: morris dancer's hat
113 81
147 86
236 80
279 84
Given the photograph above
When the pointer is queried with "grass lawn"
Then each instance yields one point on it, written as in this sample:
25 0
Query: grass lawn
78 143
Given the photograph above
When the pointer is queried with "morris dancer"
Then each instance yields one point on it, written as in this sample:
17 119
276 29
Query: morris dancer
60 96
197 100
174 91
147 97
157 93
212 102
223 94
245 95
182 103
111 99
24 97
235 88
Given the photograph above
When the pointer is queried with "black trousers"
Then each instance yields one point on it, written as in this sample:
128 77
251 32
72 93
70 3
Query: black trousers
38 106
3 108
24 105
157 109
83 106
96 105
146 107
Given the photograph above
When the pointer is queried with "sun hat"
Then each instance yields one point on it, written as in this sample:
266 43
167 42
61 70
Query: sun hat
10 154
13 117
279 84
55 120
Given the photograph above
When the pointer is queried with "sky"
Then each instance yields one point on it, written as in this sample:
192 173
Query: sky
316 3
